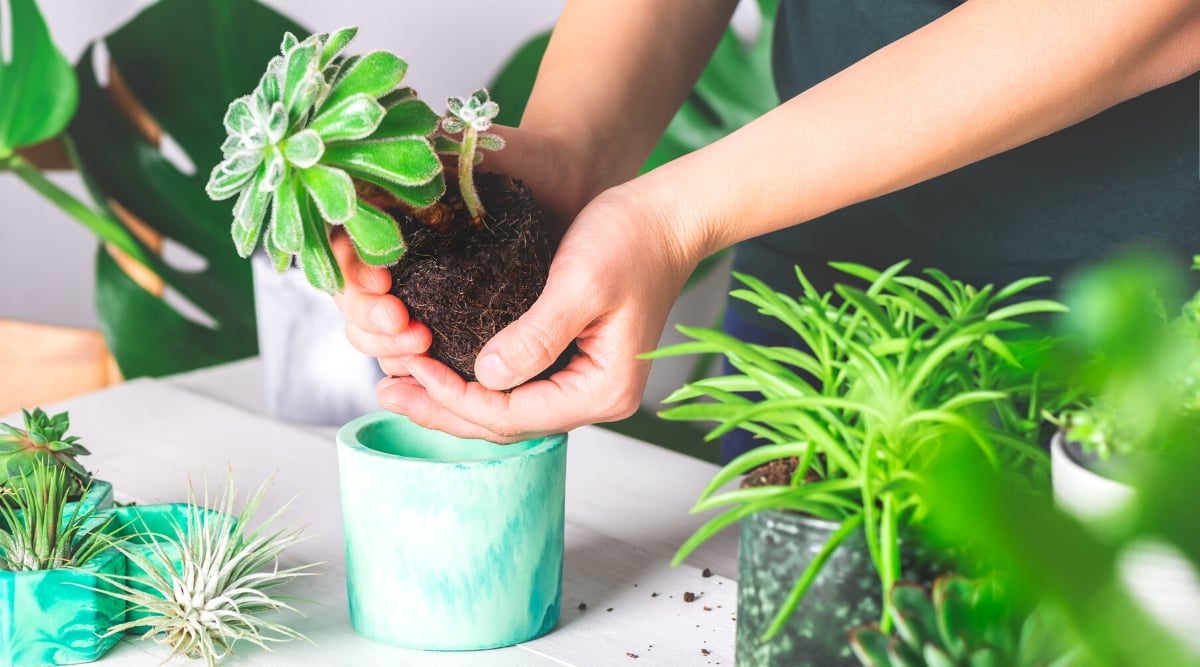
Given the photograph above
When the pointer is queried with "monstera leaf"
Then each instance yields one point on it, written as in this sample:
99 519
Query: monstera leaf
182 62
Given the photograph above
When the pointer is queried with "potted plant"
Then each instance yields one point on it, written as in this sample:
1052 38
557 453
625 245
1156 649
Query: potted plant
44 442
55 567
199 579
472 558
891 374
325 140
1139 375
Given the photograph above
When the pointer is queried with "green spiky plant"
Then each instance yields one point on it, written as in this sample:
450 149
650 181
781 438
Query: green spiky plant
296 144
228 570
471 117
962 623
40 535
891 373
43 441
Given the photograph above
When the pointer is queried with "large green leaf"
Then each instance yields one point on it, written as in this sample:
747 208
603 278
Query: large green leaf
38 93
183 60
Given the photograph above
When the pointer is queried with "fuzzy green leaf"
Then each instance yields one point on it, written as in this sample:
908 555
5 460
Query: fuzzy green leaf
417 196
355 117
287 229
375 74
332 190
490 142
249 212
304 149
317 260
376 236
410 118
403 161
299 72
336 42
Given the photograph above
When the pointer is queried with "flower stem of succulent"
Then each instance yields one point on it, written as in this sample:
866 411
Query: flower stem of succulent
109 230
466 174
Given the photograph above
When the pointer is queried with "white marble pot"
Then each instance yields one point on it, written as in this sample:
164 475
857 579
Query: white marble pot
312 374
1161 579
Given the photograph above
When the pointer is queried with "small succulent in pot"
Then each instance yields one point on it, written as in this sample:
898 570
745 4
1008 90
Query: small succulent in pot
43 441
325 141
962 623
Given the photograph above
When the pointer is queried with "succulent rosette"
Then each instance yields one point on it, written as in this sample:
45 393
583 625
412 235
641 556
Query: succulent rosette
315 123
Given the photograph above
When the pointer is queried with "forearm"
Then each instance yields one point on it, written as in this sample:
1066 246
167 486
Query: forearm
614 74
987 77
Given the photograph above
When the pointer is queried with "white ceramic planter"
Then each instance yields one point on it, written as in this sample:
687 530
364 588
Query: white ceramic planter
312 374
1156 575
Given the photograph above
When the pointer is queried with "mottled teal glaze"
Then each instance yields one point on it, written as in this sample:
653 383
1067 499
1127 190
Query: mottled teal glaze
53 617
451 544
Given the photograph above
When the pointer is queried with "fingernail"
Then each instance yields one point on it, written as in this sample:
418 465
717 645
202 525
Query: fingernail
494 373
381 317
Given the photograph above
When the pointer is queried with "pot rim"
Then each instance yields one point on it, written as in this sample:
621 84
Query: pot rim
348 440
1059 442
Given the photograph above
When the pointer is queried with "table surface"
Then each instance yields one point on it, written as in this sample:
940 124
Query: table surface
626 512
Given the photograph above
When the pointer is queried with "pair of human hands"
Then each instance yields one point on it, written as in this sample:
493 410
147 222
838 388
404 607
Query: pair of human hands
616 272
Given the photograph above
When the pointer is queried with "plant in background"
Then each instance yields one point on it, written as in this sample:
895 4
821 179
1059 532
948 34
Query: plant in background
204 607
472 117
890 374
40 534
43 442
313 122
1139 367
962 623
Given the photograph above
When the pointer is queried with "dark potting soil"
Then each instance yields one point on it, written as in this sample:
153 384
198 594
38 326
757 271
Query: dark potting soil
466 279
776 473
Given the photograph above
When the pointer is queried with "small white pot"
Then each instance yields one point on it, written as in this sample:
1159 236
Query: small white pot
1161 579
312 373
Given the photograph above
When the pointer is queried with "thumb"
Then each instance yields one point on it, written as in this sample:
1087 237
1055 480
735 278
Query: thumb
534 341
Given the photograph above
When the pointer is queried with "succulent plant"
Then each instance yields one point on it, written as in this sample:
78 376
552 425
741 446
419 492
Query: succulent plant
40 535
472 117
296 144
205 605
44 440
962 623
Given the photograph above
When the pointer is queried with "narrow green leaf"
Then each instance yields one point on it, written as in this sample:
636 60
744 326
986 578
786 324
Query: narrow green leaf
1027 308
336 42
375 74
1018 286
403 161
355 117
810 574
376 236
410 118
317 260
332 190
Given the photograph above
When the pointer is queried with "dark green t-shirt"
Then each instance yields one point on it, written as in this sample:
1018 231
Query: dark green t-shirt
1128 176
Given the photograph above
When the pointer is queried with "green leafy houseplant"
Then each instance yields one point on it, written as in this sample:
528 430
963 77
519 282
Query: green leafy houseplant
962 623
891 374
325 141
42 534
201 590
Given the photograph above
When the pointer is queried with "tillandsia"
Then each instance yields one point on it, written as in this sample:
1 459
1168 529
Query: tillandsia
963 623
42 533
472 117
43 441
887 375
315 124
202 590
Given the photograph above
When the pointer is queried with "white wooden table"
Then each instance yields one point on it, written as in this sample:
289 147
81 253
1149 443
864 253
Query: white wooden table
627 512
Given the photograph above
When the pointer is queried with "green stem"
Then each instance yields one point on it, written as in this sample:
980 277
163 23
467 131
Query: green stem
466 173
109 230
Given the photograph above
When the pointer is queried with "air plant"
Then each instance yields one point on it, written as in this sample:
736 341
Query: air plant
202 589
40 535
296 144
472 117
43 441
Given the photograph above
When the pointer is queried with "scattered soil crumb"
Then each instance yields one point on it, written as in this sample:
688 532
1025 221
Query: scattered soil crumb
708 609
635 585
582 606
654 595
609 609
632 655
705 651
689 597
706 573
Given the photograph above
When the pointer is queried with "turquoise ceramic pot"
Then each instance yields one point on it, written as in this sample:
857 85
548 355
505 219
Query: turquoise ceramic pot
56 617
451 544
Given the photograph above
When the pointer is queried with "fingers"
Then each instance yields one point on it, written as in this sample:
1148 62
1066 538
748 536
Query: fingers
360 277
